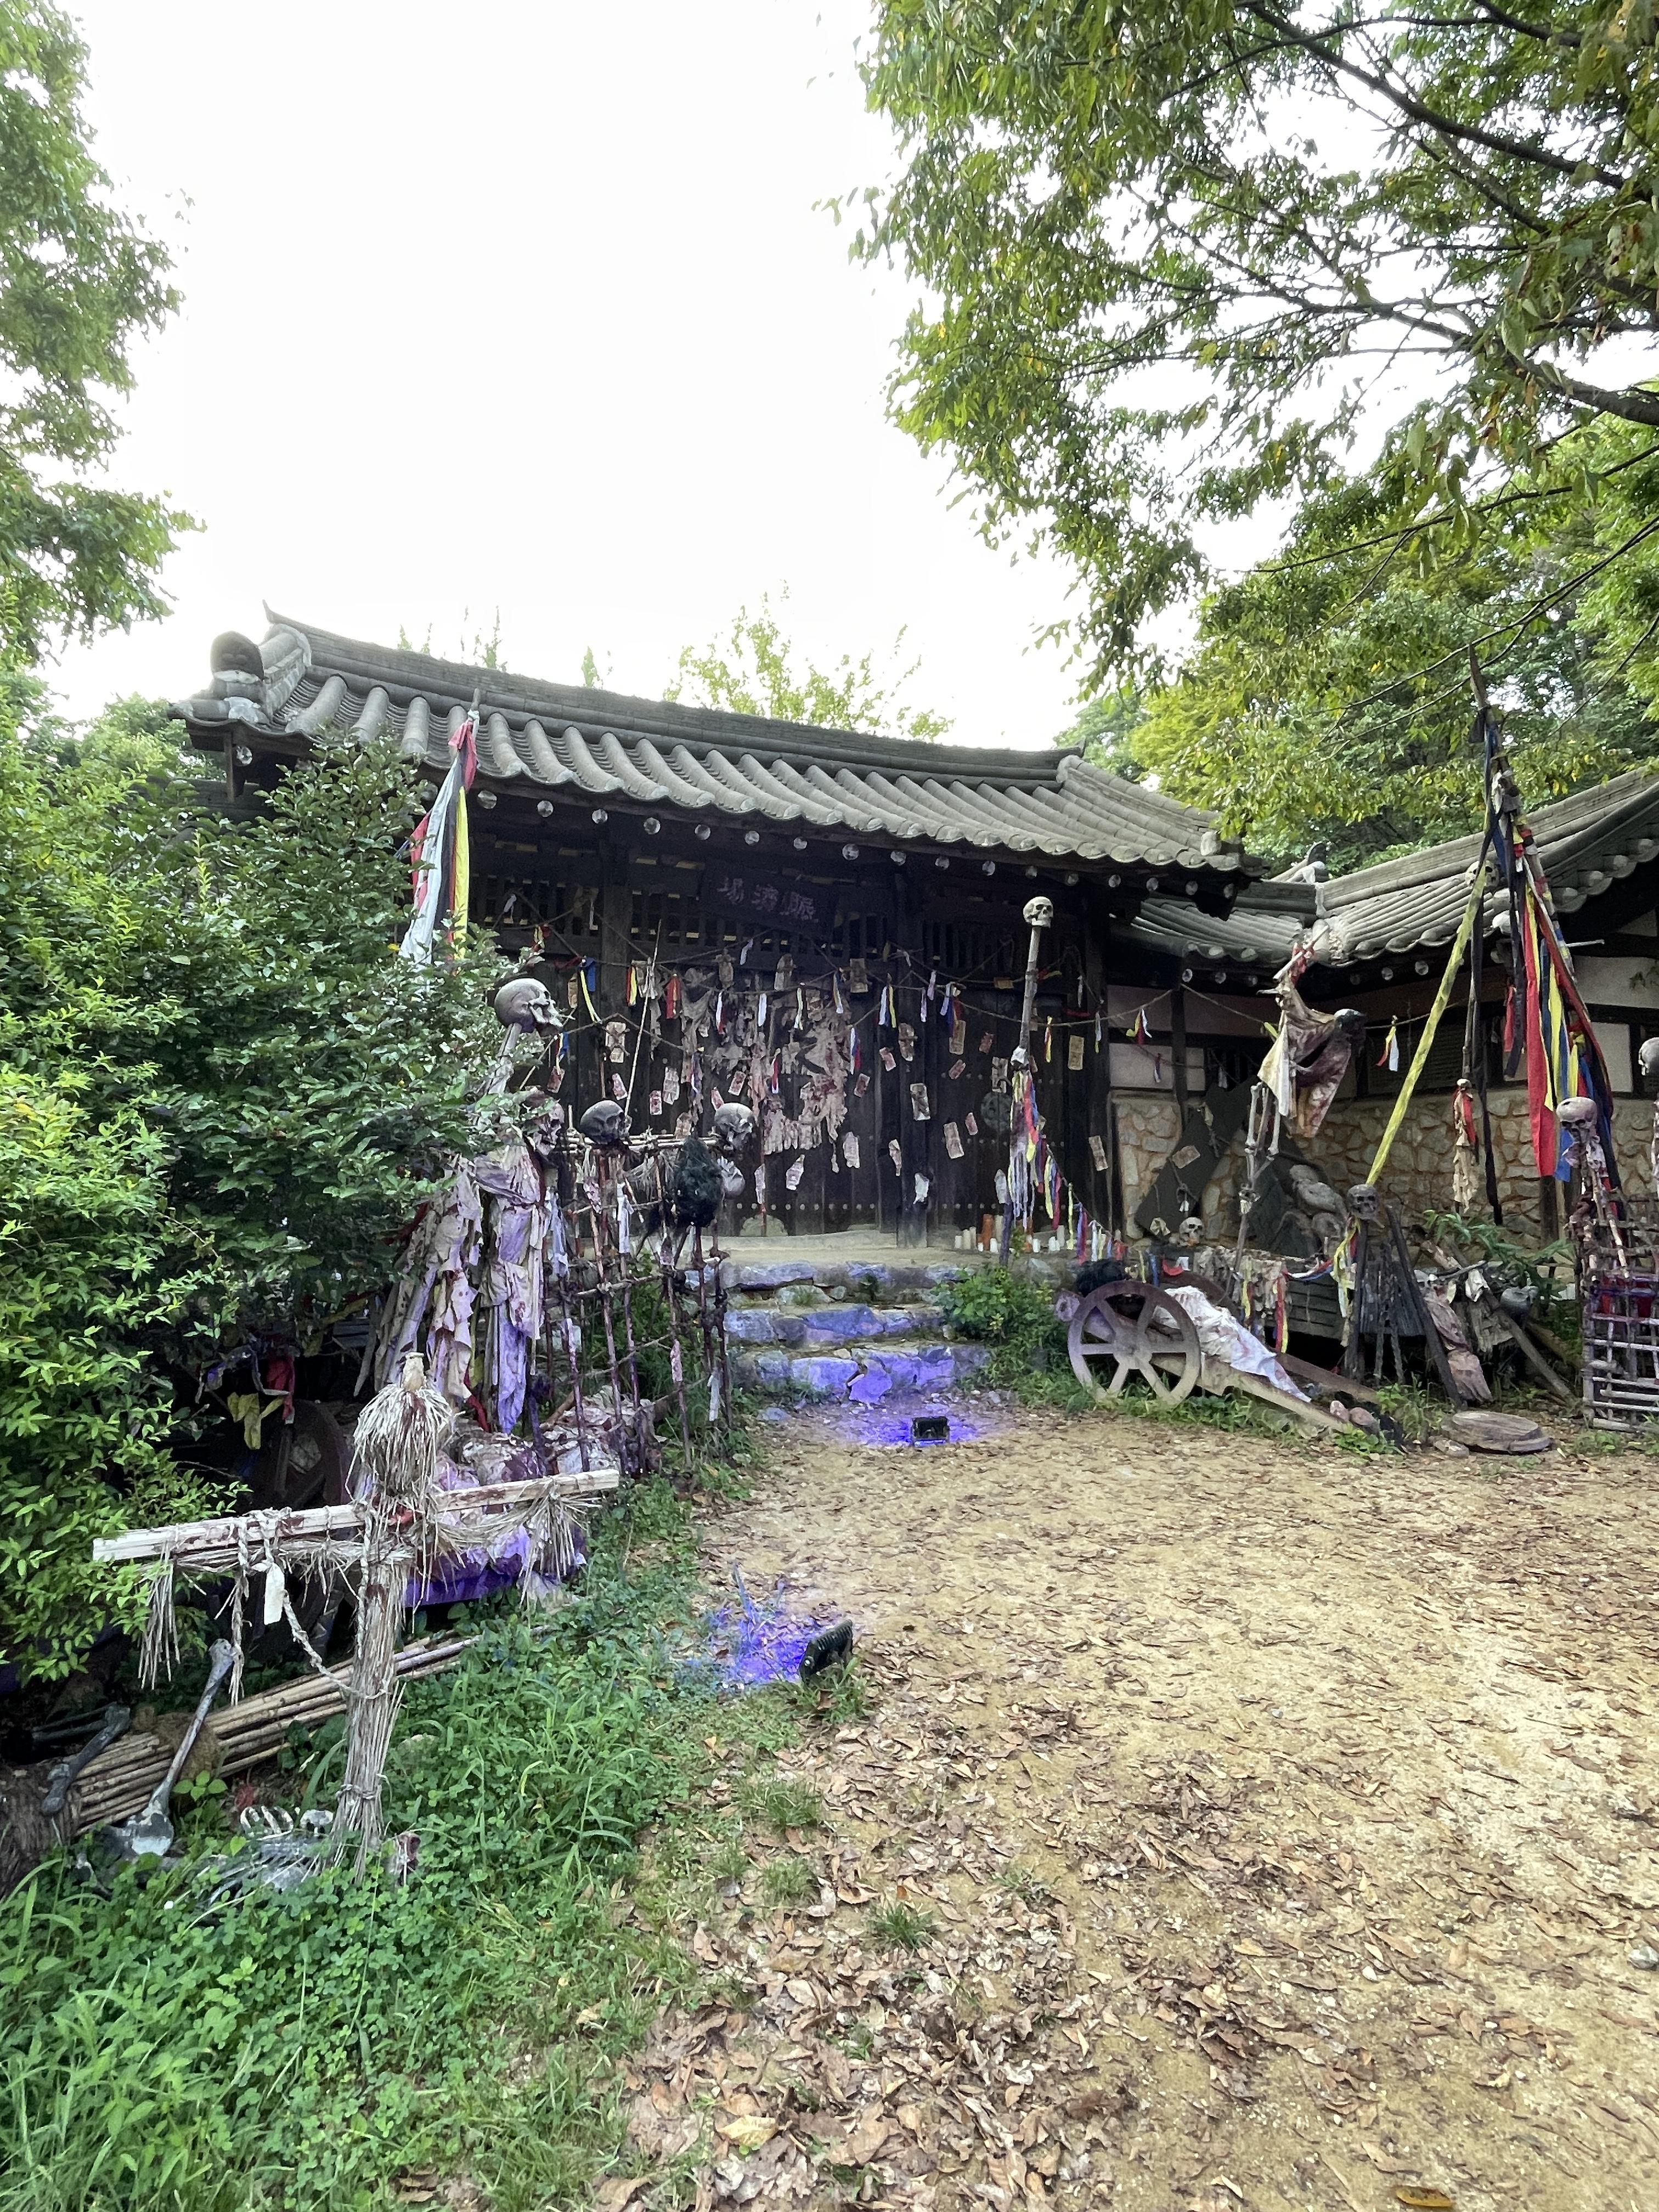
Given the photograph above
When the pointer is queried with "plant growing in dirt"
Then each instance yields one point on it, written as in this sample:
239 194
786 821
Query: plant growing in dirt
840 1696
901 1927
1016 1317
784 1805
788 1880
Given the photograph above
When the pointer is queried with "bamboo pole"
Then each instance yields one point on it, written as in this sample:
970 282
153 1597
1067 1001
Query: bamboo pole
120 1780
202 1546
1419 1057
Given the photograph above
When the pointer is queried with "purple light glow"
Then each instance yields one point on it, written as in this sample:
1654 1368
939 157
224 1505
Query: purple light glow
894 1429
750 1645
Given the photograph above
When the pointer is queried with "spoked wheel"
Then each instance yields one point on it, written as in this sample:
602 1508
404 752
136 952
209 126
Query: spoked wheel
1129 1328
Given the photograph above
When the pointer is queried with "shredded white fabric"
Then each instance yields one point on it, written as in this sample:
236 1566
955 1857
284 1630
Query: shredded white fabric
1221 1337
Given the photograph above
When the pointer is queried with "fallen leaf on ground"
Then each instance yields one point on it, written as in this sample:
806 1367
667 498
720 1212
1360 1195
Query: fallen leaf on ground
748 2130
1425 2200
611 2196
1380 2159
867 2138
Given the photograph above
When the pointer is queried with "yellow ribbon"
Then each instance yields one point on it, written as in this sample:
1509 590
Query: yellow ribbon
1420 1059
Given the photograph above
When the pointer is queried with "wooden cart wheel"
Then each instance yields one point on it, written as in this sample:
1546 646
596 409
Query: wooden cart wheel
1129 1328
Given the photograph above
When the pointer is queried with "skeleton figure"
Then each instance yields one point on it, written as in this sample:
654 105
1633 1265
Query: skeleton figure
1308 1058
526 1010
684 1192
1648 1059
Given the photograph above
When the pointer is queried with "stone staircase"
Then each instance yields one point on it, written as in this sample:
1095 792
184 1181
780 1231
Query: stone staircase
856 1330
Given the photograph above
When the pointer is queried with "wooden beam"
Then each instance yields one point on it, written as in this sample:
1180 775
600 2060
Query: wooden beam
321 1522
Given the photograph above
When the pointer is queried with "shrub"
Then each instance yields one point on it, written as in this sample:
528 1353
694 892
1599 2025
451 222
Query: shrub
221 1097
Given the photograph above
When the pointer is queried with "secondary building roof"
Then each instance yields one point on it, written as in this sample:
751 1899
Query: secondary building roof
1587 842
566 740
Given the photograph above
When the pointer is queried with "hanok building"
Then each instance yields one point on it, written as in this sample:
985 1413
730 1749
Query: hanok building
826 924
829 925
1379 938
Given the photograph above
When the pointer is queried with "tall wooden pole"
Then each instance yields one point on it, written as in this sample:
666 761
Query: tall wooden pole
1039 913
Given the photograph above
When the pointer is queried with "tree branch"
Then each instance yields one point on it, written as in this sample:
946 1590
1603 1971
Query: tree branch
1314 44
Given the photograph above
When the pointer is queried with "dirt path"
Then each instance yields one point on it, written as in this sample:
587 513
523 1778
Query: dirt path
1272 1813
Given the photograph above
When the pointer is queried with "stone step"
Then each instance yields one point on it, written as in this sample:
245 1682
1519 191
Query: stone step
816 1327
868 1279
861 1373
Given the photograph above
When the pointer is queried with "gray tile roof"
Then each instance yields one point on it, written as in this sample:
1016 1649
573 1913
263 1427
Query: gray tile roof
1587 842
559 737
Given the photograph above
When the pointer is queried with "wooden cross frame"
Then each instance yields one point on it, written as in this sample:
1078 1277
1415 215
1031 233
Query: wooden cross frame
376 1547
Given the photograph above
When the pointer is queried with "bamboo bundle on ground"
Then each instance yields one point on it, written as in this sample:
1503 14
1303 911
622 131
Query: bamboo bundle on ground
120 1780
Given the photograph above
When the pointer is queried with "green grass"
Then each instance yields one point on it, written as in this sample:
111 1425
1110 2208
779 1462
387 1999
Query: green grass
300 2052
788 1881
728 1863
901 1927
785 1805
838 1697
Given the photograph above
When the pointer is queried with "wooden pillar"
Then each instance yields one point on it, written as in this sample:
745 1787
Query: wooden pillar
616 915
1549 1206
1178 1057
1100 1176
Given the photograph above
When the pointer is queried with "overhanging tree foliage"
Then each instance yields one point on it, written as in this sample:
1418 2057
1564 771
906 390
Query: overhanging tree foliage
1171 255
221 1096
79 282
754 671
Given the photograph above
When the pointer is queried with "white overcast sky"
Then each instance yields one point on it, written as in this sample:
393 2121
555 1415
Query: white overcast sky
525 304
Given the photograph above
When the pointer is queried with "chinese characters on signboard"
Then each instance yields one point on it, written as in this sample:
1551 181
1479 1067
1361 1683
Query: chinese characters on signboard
763 898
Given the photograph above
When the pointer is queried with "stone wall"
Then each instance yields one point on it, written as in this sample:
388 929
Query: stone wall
1418 1175
1146 1135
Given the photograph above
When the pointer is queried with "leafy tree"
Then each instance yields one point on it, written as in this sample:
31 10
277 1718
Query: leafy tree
221 1096
1106 728
753 671
1171 256
79 283
1327 697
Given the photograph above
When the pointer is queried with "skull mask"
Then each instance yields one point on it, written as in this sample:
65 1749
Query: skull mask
734 1126
604 1126
526 1003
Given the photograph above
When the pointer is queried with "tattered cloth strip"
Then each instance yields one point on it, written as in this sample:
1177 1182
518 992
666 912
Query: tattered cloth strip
544 1543
1308 1059
1261 1299
1222 1338
439 858
1466 1369
1564 1057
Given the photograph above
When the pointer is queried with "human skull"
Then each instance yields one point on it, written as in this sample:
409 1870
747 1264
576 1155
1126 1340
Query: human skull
1648 1056
734 1126
545 1126
1040 913
604 1126
527 1004
1576 1112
